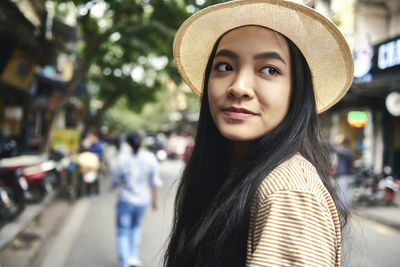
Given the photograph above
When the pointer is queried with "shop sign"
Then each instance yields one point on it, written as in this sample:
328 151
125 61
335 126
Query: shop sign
389 54
13 113
378 62
357 119
20 69
65 139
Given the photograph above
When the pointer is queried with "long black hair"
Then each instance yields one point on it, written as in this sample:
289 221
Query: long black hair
212 206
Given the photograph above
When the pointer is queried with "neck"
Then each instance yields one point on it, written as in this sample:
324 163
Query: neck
238 151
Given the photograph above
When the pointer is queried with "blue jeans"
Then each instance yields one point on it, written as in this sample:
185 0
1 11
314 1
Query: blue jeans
128 231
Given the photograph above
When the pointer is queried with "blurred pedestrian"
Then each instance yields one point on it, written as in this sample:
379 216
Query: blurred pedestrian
137 174
343 169
93 144
256 190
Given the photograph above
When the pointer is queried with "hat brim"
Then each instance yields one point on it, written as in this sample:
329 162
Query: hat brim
322 44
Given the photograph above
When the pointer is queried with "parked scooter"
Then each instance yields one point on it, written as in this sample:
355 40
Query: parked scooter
156 146
12 194
40 175
8 148
388 186
4 204
374 190
61 161
41 180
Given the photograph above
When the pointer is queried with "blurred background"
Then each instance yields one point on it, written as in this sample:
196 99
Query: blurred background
72 67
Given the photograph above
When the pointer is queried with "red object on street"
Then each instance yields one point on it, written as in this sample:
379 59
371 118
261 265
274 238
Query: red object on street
389 194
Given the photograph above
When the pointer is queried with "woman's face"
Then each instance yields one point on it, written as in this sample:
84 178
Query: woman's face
249 86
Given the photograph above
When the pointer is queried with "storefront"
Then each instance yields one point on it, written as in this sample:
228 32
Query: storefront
375 97
36 62
17 69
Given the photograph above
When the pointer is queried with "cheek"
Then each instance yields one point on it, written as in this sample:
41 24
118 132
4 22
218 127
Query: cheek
285 100
276 101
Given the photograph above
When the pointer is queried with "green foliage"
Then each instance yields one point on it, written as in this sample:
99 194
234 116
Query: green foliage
152 116
128 44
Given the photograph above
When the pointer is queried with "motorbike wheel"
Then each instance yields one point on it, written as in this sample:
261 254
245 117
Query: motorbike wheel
52 180
2 221
3 210
35 194
16 205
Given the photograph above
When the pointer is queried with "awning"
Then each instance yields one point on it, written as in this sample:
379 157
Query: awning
58 84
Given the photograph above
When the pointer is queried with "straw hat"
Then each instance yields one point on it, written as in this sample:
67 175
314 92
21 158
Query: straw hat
323 46
88 161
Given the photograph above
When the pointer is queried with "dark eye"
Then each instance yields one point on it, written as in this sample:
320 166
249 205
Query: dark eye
224 67
270 71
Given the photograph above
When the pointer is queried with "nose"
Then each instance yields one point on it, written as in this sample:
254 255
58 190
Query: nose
242 86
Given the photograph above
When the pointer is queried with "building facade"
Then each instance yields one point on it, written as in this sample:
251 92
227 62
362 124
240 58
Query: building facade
372 29
36 62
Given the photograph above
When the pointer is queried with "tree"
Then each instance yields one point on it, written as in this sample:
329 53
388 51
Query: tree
131 19
163 29
121 36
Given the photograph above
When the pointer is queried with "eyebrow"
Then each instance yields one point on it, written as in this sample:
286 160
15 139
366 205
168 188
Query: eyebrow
266 55
226 53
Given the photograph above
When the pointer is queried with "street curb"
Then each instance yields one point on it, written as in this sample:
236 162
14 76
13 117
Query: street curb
12 229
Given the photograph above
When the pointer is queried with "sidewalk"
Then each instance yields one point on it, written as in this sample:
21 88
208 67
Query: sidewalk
389 216
32 210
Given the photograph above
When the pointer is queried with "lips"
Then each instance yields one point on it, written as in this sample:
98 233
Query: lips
236 113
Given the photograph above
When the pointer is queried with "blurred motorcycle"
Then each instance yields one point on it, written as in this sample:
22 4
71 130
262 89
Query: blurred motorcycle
388 186
41 178
374 190
8 148
40 174
12 194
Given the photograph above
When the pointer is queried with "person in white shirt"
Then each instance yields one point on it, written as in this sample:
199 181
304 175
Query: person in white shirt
137 174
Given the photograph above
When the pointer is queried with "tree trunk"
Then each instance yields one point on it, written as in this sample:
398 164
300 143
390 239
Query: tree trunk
80 72
96 120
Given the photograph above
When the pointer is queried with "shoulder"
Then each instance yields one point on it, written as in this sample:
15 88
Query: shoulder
296 174
293 204
147 155
123 156
97 145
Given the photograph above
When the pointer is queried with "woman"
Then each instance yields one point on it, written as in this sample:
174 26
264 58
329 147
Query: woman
256 190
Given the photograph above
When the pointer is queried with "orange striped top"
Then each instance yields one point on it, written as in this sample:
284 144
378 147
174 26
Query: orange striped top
294 221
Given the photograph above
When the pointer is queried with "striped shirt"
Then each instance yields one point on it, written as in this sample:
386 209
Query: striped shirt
294 221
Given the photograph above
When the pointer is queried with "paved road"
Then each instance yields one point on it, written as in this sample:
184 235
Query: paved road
370 244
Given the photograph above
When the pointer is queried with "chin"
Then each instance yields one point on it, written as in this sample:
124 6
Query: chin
240 136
